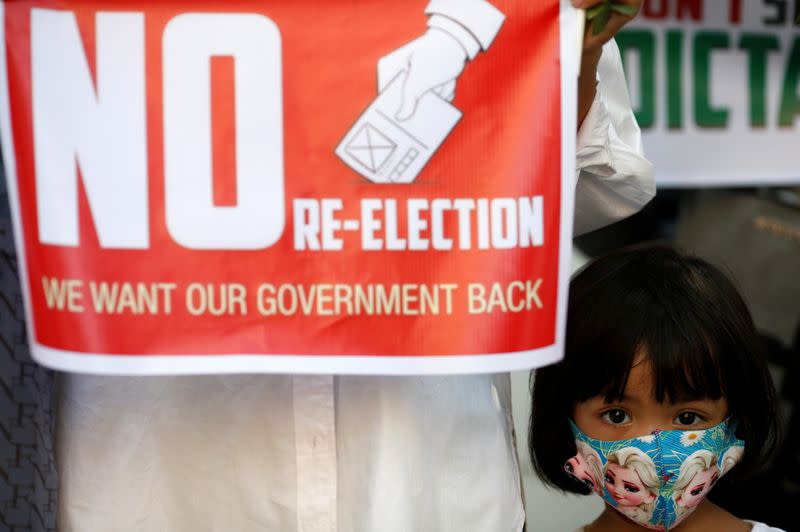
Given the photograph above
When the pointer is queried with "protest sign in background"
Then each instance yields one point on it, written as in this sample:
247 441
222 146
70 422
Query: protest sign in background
355 187
716 89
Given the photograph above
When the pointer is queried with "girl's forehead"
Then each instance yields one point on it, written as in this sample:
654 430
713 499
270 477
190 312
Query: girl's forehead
641 381
640 389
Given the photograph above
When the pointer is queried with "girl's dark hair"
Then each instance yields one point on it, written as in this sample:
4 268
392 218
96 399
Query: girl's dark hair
694 328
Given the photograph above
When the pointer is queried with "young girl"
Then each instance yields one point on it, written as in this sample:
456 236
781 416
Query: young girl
663 380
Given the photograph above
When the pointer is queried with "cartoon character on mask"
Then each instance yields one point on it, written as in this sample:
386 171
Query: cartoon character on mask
697 475
730 458
586 467
632 482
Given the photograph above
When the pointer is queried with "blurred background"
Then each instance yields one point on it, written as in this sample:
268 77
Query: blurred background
716 89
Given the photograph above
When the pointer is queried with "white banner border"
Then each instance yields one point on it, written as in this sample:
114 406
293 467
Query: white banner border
154 364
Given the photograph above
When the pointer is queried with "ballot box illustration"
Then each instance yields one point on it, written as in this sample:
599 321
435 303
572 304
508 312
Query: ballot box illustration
385 149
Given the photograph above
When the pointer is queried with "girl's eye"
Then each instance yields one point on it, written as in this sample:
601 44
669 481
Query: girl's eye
688 418
617 416
609 479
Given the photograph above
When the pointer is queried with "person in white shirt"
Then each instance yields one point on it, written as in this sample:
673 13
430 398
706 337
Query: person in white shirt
320 453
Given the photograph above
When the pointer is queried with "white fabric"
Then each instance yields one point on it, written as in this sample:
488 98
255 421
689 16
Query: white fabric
757 527
761 527
273 453
615 180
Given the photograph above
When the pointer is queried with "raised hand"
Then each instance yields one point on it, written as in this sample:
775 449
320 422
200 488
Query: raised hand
604 19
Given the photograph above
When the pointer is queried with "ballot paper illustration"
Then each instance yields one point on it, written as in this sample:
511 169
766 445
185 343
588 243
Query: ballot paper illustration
385 149
399 133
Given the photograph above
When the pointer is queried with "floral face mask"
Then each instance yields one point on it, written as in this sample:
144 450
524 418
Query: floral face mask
656 480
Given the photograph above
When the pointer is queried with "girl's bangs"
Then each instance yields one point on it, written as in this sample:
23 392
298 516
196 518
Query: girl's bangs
679 341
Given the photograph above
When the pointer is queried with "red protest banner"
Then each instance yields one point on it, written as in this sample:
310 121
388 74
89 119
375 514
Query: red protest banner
288 186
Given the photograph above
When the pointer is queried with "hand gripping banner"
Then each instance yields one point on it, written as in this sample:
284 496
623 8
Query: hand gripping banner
291 186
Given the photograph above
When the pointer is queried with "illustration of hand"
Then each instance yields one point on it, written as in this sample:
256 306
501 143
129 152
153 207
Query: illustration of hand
419 76
431 62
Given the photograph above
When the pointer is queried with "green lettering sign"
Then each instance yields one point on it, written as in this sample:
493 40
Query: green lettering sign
704 114
758 48
790 100
675 79
644 43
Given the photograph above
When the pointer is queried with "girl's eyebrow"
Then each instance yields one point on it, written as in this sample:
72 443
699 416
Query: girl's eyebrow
689 398
621 399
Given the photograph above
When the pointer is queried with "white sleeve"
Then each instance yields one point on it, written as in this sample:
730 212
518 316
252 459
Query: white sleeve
614 178
480 18
761 527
